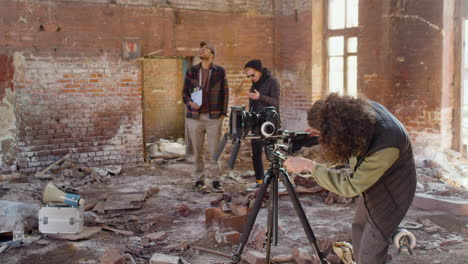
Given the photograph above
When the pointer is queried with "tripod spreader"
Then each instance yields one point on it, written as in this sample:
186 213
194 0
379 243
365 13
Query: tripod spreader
274 173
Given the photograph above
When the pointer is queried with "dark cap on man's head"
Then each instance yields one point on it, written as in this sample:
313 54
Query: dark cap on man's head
254 64
209 46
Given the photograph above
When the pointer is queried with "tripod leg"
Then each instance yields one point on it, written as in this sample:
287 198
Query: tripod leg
272 232
302 217
252 217
275 210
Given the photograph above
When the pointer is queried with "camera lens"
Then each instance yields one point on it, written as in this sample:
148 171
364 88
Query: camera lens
268 129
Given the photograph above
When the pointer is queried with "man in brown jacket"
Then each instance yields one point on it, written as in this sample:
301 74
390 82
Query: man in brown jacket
206 97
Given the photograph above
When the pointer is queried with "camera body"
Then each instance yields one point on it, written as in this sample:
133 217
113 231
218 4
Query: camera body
265 127
264 123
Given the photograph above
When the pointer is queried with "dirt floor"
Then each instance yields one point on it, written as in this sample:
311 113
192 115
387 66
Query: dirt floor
173 207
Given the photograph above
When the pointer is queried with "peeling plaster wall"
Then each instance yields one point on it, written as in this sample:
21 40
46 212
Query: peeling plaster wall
293 60
74 93
8 147
89 107
406 63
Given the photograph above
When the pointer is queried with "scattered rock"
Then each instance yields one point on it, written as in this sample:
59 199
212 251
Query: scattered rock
282 259
302 256
255 257
183 210
164 259
112 256
257 236
333 259
158 236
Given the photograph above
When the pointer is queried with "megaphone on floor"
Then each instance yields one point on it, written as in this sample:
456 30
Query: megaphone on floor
52 194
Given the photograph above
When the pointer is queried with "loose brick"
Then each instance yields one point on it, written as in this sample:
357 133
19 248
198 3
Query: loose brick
255 257
112 256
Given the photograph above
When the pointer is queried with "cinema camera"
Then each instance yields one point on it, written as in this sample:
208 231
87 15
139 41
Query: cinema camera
265 127
262 125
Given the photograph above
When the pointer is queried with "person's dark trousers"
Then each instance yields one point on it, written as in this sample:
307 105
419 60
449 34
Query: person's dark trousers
369 245
257 149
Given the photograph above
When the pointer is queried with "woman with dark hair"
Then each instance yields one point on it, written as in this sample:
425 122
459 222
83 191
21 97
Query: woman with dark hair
378 149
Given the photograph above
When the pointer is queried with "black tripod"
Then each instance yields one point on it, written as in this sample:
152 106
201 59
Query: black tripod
275 172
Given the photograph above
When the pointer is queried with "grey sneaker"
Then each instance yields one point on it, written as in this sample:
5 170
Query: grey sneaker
253 187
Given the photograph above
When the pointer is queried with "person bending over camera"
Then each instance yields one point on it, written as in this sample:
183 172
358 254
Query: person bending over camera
265 91
379 153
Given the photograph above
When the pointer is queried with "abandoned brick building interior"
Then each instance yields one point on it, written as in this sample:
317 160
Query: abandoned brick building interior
96 161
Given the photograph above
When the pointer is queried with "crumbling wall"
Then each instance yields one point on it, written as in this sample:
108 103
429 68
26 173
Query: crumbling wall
293 60
90 107
74 92
406 63
8 144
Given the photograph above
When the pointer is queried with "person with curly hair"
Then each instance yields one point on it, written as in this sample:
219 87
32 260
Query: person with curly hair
378 150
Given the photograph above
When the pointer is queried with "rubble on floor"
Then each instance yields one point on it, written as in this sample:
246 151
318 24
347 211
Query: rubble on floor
150 214
166 149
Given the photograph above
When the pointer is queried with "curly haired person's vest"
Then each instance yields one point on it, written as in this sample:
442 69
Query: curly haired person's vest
388 200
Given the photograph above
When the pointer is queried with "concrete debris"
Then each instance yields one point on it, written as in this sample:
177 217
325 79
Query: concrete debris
211 251
216 217
257 237
112 256
11 177
77 175
158 258
430 227
18 218
170 219
222 197
153 191
333 259
433 202
165 149
18 243
238 209
232 238
158 236
226 207
303 256
121 201
43 173
118 231
183 210
108 171
282 259
43 242
255 257
85 234
449 242
177 247
128 259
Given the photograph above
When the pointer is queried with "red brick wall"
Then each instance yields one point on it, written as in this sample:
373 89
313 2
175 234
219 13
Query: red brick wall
75 94
293 47
401 58
6 74
88 107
